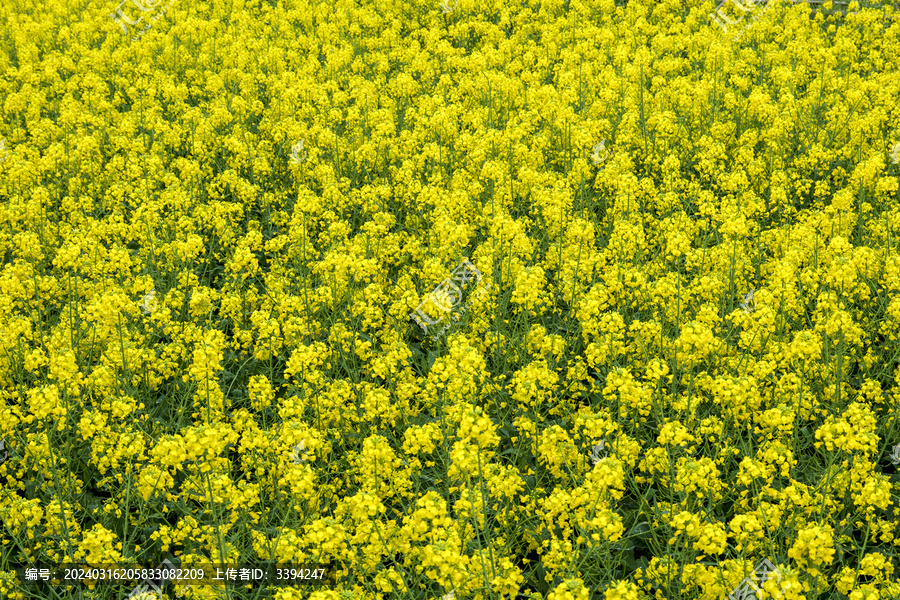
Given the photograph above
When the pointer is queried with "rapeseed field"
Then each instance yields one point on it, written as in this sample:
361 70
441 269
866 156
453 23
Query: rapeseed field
450 300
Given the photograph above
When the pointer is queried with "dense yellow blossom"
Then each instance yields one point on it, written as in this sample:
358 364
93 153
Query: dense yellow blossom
560 300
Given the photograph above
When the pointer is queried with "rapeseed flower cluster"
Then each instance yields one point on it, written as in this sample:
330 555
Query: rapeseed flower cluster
677 356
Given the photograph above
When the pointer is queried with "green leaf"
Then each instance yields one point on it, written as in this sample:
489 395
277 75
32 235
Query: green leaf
628 545
640 531
629 561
